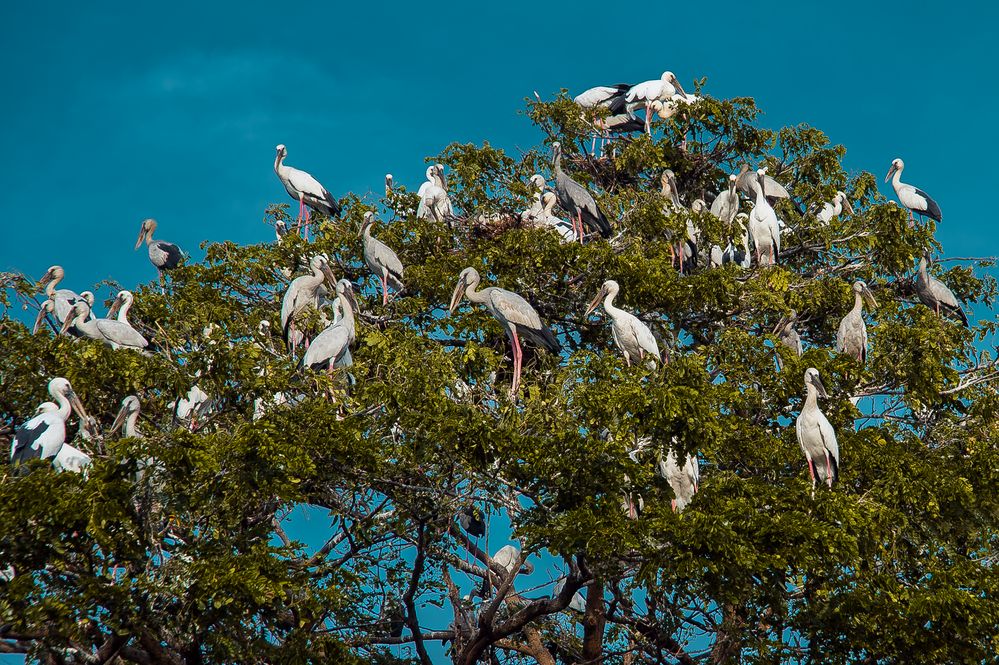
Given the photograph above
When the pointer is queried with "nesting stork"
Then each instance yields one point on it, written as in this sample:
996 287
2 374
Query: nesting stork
388 185
647 92
536 185
748 183
62 299
435 204
577 200
683 480
516 315
833 209
631 335
788 336
44 435
739 255
121 306
116 334
163 255
506 557
194 405
126 420
916 200
304 292
305 189
934 294
726 205
610 97
331 346
547 218
816 435
763 226
851 338
381 260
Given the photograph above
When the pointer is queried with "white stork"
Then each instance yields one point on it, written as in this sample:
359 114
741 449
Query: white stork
851 338
381 260
331 347
304 292
684 480
305 189
547 218
512 311
647 92
763 226
631 335
913 198
163 255
44 435
62 299
116 334
833 209
577 200
435 204
934 294
816 435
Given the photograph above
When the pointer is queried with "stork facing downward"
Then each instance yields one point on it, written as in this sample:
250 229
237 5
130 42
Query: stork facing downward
512 311
683 481
43 436
934 294
304 292
816 435
381 260
332 346
631 335
163 255
305 189
577 200
851 338
913 198
62 299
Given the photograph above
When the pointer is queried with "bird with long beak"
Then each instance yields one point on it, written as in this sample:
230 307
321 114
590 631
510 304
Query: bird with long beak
851 338
763 225
381 260
916 200
44 435
46 308
62 299
163 255
631 335
816 435
832 209
304 292
512 311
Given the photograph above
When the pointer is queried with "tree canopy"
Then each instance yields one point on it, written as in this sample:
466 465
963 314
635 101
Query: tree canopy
171 547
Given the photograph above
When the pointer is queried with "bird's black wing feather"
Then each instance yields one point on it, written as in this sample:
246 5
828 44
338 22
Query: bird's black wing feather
932 209
174 255
24 438
544 337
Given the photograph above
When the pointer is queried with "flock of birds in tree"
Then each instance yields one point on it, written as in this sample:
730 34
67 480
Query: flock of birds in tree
44 435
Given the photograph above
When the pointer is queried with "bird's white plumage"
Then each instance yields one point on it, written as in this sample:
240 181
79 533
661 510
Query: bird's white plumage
815 433
631 334
683 480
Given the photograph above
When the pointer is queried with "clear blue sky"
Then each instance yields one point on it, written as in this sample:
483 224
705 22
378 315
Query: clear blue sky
116 112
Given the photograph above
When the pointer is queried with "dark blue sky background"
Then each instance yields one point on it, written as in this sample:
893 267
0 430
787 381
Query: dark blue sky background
116 112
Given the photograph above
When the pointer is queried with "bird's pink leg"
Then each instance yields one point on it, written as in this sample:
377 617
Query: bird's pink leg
648 111
516 364
829 472
811 470
579 219
384 291
307 218
673 504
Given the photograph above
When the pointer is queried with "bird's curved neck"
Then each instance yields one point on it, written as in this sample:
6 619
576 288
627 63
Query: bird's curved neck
609 304
123 311
858 304
51 288
476 296
278 163
130 430
896 179
64 407
811 397
761 197
348 312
